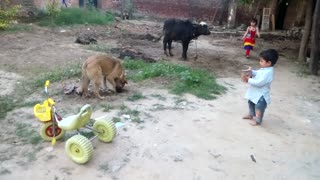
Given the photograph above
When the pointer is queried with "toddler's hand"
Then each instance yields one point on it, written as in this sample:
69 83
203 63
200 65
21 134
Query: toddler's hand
245 78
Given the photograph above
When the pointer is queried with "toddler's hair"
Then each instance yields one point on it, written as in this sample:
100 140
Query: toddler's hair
270 55
254 20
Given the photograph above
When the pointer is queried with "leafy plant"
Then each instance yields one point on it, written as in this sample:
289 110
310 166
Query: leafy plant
7 13
72 16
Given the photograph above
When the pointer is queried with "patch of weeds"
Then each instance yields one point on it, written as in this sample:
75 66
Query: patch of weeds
106 107
97 47
158 107
185 80
7 104
31 156
87 134
35 139
116 119
159 96
5 171
104 167
26 132
29 103
136 119
57 74
132 112
136 96
178 100
71 16
128 111
303 70
123 107
50 157
13 28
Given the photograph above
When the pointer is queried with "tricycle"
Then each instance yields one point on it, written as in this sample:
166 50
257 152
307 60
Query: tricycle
79 148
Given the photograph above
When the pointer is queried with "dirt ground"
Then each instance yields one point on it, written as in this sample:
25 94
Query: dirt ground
179 137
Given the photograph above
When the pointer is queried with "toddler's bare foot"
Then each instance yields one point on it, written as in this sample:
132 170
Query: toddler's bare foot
247 117
254 123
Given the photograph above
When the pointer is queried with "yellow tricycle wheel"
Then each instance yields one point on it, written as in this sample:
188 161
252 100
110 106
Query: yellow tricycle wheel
46 131
106 130
79 149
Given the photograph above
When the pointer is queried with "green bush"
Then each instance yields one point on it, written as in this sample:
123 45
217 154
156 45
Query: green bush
72 16
7 13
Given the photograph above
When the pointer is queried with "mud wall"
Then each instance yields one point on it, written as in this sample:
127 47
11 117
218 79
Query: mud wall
199 9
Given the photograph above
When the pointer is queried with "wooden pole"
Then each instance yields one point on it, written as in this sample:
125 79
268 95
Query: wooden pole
273 22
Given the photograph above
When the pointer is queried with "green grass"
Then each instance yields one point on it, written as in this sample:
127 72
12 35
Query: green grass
136 96
28 133
13 28
159 96
303 70
116 119
126 110
29 103
106 107
97 47
57 74
184 79
104 167
4 171
7 104
73 16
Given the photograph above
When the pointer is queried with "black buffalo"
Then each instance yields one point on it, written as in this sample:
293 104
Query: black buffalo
184 31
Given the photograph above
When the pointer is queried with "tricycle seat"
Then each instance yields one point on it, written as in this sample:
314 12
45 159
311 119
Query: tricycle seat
76 121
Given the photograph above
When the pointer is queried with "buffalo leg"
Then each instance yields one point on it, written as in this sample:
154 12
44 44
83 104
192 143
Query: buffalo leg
185 46
165 41
169 46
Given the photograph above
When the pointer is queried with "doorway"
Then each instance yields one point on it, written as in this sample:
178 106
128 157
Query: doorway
81 3
282 10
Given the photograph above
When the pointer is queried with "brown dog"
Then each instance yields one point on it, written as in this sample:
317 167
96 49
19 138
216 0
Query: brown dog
99 68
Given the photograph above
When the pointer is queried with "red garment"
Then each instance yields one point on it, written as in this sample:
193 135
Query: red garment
249 40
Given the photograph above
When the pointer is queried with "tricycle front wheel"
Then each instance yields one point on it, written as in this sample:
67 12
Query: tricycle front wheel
46 131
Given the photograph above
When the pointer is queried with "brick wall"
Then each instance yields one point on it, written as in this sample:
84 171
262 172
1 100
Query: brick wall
199 9
110 4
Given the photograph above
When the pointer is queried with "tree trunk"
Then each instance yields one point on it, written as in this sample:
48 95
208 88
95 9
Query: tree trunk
257 8
223 9
315 40
273 6
306 34
232 13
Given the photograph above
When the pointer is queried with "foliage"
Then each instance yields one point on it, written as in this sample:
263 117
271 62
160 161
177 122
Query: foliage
53 8
185 80
245 2
26 132
57 74
136 96
72 16
6 104
7 13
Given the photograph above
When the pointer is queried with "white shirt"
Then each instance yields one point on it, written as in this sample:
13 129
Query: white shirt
260 85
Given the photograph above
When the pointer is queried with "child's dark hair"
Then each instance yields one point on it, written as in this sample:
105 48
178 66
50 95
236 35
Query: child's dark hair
270 55
254 20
